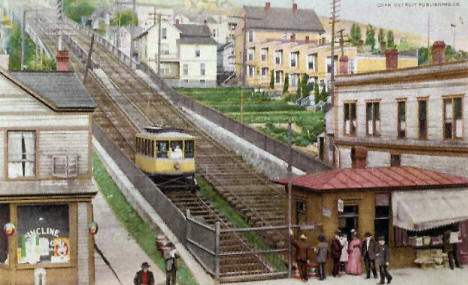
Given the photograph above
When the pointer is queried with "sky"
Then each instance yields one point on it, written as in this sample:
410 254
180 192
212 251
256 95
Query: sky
404 15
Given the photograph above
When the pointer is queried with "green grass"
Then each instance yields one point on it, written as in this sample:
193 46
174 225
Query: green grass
261 109
253 238
133 223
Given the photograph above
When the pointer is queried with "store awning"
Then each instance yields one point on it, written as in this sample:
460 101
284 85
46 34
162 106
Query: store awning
423 210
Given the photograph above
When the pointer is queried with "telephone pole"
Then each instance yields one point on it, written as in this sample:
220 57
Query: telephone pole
23 27
333 20
341 41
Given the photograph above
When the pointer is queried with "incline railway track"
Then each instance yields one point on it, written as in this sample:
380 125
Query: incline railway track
252 194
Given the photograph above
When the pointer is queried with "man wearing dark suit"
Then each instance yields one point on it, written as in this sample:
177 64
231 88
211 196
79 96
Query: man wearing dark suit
382 258
144 276
451 249
369 250
336 253
302 256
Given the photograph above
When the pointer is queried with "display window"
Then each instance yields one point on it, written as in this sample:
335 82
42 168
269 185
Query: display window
4 219
43 234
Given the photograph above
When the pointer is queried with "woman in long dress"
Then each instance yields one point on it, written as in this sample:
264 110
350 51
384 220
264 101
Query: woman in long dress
354 260
344 251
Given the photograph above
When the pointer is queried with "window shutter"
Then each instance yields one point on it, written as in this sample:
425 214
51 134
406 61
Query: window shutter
72 166
59 166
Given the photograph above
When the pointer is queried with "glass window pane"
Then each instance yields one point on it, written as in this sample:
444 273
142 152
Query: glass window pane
448 109
458 108
4 219
369 111
163 147
189 148
176 149
43 234
353 111
346 111
376 111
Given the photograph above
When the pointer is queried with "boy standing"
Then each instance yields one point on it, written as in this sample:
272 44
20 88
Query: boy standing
382 257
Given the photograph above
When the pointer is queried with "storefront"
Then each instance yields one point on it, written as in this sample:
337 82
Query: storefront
399 203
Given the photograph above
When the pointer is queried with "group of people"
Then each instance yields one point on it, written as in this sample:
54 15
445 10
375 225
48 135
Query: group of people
346 256
146 277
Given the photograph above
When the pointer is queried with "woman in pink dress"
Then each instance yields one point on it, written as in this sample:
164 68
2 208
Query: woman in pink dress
354 261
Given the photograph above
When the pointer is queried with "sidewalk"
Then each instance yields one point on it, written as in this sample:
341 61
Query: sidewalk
407 276
119 248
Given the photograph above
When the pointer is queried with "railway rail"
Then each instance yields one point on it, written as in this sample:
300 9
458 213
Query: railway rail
252 194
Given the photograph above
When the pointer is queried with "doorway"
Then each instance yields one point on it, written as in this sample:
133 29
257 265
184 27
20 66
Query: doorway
462 248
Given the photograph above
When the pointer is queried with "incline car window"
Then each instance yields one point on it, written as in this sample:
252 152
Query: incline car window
189 149
163 147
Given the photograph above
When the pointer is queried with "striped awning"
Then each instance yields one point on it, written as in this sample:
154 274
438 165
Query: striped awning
423 210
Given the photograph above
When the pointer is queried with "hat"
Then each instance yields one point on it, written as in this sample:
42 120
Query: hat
303 237
368 234
145 265
381 238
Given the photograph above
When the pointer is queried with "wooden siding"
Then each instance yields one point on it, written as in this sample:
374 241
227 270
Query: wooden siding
63 143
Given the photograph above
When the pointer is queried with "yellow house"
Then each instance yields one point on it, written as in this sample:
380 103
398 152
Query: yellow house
293 58
264 24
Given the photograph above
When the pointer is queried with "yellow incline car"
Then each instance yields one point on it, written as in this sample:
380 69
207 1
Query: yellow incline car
167 155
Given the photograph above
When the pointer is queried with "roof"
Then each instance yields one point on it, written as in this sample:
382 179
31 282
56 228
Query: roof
62 91
388 178
194 30
283 19
197 40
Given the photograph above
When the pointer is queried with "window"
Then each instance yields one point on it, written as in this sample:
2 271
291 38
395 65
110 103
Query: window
264 72
278 77
197 51
250 70
251 36
165 49
382 215
373 118
176 149
189 148
214 33
202 69
311 59
348 219
395 160
350 119
453 118
401 119
164 33
21 154
422 118
43 234
4 219
162 148
185 69
264 54
301 212
294 58
293 79
202 81
278 57
251 54
65 166
329 64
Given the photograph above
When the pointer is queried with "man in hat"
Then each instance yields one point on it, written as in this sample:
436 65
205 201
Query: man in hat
336 248
144 276
302 257
369 250
170 257
382 257
450 246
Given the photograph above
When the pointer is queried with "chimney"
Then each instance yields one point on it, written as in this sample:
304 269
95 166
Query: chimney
267 6
383 46
177 22
359 157
391 59
294 8
344 64
293 37
438 52
307 39
360 48
62 58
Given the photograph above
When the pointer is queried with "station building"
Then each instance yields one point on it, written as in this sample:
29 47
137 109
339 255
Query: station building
46 184
400 203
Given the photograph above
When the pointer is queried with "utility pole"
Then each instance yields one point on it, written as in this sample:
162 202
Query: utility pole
341 41
133 28
289 196
454 33
242 105
428 31
159 44
22 39
334 20
244 50
88 62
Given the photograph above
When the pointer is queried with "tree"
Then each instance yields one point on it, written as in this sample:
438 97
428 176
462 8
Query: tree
449 52
299 88
323 94
286 83
14 50
124 18
390 39
381 36
316 92
75 9
272 80
358 34
355 34
305 85
370 36
423 55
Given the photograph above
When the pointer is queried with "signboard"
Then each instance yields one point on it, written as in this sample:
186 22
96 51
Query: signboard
340 206
326 212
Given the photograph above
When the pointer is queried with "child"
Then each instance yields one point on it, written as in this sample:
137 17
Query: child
382 257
